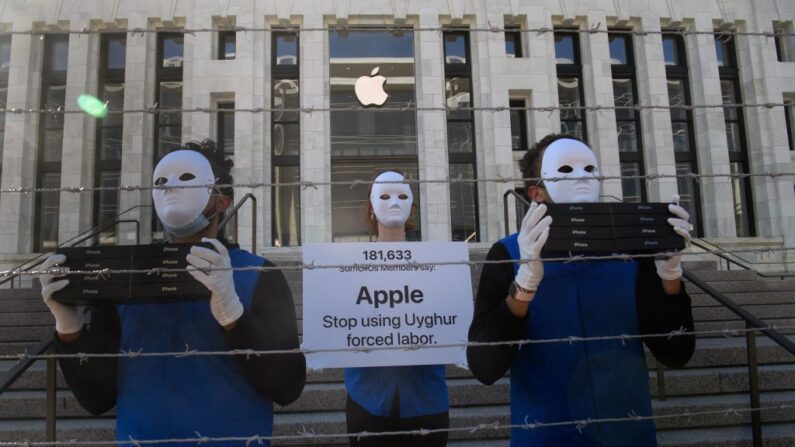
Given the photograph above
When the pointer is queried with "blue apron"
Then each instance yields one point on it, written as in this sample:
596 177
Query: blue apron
421 390
169 398
581 380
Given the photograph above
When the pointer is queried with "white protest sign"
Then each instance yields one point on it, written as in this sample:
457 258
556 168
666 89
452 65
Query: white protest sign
390 299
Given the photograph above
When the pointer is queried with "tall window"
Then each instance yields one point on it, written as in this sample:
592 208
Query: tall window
784 41
364 140
518 125
227 44
107 159
168 124
625 94
570 91
285 140
682 126
48 175
5 66
225 130
735 134
788 118
460 135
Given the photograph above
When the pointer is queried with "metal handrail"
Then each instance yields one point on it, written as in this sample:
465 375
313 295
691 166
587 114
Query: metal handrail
234 212
742 264
86 235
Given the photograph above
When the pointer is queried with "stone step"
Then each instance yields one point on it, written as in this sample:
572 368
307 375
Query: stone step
774 435
26 319
23 305
762 311
701 381
31 334
780 297
783 325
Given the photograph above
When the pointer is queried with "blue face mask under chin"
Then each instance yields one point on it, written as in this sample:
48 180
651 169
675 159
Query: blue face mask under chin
196 225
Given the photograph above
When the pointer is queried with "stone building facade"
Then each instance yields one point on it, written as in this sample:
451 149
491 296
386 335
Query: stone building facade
243 55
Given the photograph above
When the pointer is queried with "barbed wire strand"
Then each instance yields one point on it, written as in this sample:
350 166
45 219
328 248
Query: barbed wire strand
579 424
595 29
305 184
407 108
410 265
188 352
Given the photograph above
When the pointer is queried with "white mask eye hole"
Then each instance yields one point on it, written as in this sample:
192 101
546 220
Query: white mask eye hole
161 181
403 197
187 176
565 169
384 197
590 168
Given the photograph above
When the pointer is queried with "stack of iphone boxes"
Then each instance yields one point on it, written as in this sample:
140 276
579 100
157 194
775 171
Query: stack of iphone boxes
165 278
609 228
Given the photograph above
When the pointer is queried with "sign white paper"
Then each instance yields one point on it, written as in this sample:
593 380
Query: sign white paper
388 300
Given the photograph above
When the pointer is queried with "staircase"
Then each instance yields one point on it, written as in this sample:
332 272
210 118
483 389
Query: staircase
716 378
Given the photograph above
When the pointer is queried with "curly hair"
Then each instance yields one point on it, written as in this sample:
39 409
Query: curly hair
530 164
221 166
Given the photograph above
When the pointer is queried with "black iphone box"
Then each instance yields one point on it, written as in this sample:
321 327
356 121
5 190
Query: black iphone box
159 283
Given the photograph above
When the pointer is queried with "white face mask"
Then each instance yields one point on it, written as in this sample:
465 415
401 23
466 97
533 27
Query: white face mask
180 209
567 158
391 201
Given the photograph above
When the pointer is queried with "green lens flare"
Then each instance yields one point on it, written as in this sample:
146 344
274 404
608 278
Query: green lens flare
92 106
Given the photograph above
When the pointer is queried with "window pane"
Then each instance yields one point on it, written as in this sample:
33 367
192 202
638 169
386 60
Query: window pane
170 99
172 52
573 128
676 98
681 134
458 94
460 137
788 116
228 45
113 95
564 48
285 96
226 131
169 139
54 100
741 206
624 96
463 212
733 136
286 139
53 145
671 50
286 49
108 206
518 129
687 195
630 187
111 143
287 207
618 50
569 96
349 204
513 44
116 54
455 48
627 136
57 53
5 54
47 216
729 97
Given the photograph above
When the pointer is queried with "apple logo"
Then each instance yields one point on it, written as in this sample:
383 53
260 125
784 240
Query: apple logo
370 89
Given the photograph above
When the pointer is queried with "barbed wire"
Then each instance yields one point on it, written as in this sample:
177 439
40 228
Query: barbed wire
570 340
408 108
410 265
305 184
594 29
579 424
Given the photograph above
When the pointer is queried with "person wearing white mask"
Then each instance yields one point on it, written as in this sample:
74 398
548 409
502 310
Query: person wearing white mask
558 382
168 397
395 398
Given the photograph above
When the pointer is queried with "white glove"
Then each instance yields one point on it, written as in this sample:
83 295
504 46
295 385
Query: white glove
532 237
68 319
671 268
225 305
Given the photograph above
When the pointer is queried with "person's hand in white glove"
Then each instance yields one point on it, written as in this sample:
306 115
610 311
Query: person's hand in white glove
225 305
68 319
670 269
532 237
